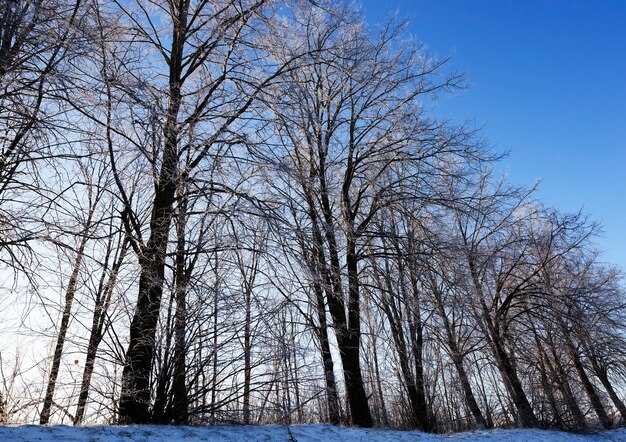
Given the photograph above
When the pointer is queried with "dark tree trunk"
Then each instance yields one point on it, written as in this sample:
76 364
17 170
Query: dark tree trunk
247 350
526 415
565 388
604 378
134 405
483 391
423 417
215 353
295 371
546 383
70 292
135 396
349 341
602 374
347 329
379 386
357 398
3 411
548 387
470 399
591 391
163 370
381 407
457 359
506 366
332 400
179 407
103 300
416 396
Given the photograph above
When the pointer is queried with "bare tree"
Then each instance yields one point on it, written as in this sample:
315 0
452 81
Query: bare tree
205 54
493 248
306 242
94 188
115 254
348 133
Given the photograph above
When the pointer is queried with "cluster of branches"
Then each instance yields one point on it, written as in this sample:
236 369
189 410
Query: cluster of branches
244 211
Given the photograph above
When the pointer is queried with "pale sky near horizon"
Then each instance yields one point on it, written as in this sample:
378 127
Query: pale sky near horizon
548 84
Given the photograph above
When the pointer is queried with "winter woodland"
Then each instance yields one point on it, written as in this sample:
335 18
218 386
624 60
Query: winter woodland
245 211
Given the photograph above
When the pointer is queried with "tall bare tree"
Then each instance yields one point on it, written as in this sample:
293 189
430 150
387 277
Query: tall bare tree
203 80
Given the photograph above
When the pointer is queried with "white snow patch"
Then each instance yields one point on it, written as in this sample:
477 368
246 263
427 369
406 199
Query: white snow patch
277 433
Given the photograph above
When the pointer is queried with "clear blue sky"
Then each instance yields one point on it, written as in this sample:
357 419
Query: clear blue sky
548 82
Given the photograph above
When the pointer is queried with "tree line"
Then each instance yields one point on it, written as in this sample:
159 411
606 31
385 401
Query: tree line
245 211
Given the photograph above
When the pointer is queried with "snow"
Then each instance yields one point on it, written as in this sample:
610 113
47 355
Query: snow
271 433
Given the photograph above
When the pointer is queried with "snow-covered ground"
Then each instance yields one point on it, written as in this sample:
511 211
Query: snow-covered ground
272 433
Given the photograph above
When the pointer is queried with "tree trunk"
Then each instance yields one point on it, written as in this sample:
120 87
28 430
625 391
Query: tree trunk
375 366
3 412
214 379
163 370
103 301
546 384
349 341
506 366
332 401
565 388
347 329
596 403
65 320
135 395
180 401
294 369
247 349
548 388
423 417
507 369
416 396
602 374
357 398
457 360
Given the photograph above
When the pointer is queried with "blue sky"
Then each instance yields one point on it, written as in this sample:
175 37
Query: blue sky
548 83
